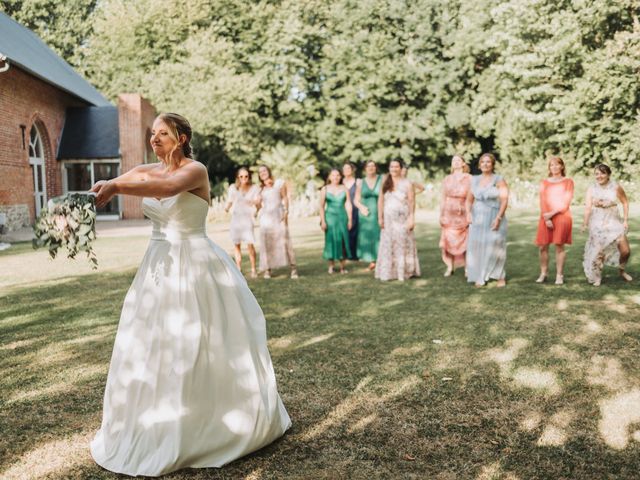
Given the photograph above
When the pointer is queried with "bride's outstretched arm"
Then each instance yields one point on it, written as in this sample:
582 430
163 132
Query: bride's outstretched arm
137 173
187 178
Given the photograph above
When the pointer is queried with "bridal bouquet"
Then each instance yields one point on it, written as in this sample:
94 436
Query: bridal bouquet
68 221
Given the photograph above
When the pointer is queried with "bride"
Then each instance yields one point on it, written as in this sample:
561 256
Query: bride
191 382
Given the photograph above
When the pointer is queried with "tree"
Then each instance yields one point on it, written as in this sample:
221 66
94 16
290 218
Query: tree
64 26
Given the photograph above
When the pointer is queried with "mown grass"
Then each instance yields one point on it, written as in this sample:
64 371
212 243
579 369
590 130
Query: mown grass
431 378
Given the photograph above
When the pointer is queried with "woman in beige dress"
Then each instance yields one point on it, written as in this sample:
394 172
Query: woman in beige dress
397 255
607 243
275 242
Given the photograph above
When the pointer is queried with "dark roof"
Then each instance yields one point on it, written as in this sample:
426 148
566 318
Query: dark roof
90 132
26 50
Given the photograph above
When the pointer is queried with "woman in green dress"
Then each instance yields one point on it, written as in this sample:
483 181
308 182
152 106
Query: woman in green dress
366 200
335 220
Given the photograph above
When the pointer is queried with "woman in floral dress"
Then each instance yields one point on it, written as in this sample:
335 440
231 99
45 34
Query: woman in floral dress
453 215
397 255
487 244
607 243
275 242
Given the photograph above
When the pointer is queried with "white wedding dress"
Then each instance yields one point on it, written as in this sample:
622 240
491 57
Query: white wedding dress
191 382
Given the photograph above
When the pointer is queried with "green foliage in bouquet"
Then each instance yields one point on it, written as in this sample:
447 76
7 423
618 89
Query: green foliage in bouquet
68 221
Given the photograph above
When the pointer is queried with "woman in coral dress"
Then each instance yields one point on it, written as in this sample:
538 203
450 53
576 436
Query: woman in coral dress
453 215
555 223
607 243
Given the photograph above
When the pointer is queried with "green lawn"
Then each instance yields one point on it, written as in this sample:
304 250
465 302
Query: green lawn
431 378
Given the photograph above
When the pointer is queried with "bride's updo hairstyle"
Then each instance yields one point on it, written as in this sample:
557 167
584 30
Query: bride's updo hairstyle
178 125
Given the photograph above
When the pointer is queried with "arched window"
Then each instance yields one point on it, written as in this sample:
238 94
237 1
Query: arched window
37 162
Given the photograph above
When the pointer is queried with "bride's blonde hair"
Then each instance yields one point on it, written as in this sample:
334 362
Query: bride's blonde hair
177 125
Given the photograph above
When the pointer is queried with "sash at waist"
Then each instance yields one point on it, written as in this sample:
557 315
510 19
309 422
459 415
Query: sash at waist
176 235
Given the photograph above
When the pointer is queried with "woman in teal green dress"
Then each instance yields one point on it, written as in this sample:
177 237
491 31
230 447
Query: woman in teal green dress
335 220
367 202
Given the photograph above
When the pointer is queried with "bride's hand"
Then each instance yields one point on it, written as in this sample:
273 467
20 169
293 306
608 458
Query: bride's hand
106 193
97 186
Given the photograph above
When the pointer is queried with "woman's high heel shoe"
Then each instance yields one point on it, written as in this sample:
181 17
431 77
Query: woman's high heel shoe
559 279
542 278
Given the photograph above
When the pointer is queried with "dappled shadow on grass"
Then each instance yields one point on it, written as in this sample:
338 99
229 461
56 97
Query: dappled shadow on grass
427 378
55 344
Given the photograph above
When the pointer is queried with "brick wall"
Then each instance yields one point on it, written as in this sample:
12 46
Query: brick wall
135 118
27 100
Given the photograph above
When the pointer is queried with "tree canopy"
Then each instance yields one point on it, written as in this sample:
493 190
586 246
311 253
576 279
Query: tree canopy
370 79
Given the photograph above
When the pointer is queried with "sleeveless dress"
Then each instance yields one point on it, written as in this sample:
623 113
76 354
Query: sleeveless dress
555 196
455 229
398 254
605 231
353 233
369 229
336 237
275 242
486 248
241 225
190 382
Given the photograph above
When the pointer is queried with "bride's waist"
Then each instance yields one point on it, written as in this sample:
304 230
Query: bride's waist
173 234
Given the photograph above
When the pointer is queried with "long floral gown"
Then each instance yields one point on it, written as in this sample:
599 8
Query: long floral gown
605 231
455 228
275 242
398 254
486 248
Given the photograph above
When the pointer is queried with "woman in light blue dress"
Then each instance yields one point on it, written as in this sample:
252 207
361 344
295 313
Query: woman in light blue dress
487 245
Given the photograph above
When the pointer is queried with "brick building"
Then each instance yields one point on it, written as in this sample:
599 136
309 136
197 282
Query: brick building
58 133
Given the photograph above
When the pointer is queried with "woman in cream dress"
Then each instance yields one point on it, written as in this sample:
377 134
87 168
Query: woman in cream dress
607 243
243 198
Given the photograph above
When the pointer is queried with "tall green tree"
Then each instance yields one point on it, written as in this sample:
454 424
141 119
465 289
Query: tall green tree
63 25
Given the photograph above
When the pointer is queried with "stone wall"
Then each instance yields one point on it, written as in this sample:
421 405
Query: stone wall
17 216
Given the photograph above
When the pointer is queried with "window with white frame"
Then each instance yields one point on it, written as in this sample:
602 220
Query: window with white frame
80 175
38 168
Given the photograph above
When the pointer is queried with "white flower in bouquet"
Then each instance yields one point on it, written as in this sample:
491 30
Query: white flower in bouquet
68 221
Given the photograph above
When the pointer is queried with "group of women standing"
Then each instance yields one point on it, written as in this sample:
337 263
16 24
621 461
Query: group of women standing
272 198
474 226
382 233
372 220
